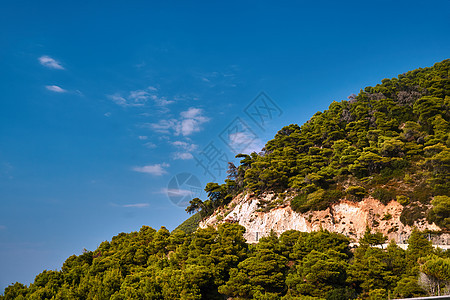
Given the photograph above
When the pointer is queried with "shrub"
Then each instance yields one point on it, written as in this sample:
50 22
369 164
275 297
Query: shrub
299 203
421 193
403 200
318 200
356 192
440 213
411 213
377 294
332 196
384 195
386 217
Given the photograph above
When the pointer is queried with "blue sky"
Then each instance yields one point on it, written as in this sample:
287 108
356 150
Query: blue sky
104 103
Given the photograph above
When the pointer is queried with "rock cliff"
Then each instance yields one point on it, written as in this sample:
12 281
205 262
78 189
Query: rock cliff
346 217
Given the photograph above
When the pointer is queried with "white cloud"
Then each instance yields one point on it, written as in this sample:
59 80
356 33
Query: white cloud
133 205
164 126
187 127
157 169
140 98
55 88
190 121
163 101
186 149
119 100
142 137
193 113
136 205
150 145
244 142
49 62
108 114
184 145
179 192
2 227
182 155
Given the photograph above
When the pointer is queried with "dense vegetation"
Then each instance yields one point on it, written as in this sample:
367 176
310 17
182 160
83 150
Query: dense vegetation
211 264
391 141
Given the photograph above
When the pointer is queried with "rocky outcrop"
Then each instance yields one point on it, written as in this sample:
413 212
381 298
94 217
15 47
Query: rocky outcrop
346 217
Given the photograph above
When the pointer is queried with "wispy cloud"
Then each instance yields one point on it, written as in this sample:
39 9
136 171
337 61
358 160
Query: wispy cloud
133 205
55 88
219 79
119 100
140 98
179 192
163 126
137 205
142 137
2 227
184 145
157 169
186 148
245 142
150 145
49 62
182 155
190 121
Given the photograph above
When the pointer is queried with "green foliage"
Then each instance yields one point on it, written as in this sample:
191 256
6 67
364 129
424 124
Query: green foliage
412 212
356 192
387 217
318 273
217 263
384 195
377 294
418 246
408 287
218 195
190 225
317 200
15 291
403 200
440 213
264 272
320 241
437 270
383 135
372 239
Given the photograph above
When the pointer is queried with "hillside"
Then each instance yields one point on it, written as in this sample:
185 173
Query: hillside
345 217
367 169
389 143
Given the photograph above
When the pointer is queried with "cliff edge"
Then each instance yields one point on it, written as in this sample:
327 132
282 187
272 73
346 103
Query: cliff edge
347 217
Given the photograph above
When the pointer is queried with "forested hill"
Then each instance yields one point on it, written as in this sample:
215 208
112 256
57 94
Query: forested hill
390 141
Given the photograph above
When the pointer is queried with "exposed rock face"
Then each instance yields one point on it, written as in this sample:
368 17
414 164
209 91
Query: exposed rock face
346 217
